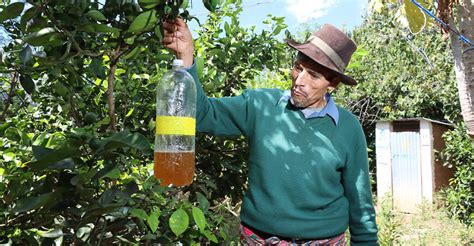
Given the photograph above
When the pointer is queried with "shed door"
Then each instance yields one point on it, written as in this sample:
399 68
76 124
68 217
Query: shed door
406 167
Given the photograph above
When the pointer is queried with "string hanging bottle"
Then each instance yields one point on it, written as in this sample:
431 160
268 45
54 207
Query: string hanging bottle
175 127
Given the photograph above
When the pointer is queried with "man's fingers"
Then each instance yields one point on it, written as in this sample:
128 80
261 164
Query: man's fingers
174 24
168 33
168 40
171 27
169 46
173 34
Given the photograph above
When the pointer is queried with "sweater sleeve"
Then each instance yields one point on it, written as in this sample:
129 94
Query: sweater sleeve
228 116
362 225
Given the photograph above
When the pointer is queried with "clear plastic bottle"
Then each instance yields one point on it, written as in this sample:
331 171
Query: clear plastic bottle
175 127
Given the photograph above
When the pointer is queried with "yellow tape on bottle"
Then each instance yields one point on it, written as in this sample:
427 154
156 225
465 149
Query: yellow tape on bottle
175 125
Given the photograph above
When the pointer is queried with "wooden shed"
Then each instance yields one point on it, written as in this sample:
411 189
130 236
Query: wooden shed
407 167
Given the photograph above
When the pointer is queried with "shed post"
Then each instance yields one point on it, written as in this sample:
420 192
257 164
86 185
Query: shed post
384 161
427 159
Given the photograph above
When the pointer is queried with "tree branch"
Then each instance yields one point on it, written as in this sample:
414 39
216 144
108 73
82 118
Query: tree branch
13 84
110 88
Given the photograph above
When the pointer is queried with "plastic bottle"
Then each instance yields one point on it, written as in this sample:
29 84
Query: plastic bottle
175 127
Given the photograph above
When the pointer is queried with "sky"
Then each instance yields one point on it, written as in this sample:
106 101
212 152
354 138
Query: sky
342 13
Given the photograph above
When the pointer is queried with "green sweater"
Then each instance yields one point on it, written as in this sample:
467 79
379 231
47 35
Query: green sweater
307 178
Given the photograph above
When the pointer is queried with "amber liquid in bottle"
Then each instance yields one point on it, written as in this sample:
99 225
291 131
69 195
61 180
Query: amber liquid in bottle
176 168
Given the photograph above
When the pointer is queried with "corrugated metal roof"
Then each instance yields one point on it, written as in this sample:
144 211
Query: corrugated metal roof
420 118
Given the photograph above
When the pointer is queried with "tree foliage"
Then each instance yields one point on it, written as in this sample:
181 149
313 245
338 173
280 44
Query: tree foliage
78 119
459 154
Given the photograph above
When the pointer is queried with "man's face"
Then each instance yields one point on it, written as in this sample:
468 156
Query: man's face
309 84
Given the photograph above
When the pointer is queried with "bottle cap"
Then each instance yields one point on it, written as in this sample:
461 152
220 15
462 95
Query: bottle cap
178 63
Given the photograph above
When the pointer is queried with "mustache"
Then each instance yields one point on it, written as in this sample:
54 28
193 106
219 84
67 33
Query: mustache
295 90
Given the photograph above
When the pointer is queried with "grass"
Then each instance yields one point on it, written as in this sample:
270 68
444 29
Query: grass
430 225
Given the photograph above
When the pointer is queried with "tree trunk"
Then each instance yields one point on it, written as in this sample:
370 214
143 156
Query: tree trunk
464 62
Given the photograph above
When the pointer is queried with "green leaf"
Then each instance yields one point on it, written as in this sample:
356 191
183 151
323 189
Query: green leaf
92 214
227 29
210 236
153 221
104 171
30 203
139 213
26 54
417 20
143 22
41 37
4 127
179 222
12 11
83 178
203 202
30 13
53 157
13 134
96 15
132 53
105 28
199 66
149 4
278 29
53 233
125 139
27 83
199 218
98 68
129 112
184 4
83 231
131 40
158 33
211 5
9 156
63 164
113 174
107 197
87 28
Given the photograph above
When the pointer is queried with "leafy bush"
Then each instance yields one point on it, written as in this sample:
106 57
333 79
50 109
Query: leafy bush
459 154
78 119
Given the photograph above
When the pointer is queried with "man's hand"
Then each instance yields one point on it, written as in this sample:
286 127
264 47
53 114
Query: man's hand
179 39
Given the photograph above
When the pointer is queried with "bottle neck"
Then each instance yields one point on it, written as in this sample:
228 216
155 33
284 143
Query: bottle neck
178 64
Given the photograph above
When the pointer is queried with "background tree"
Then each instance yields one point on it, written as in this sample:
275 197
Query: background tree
457 15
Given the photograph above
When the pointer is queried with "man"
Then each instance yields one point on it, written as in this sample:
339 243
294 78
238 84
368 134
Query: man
308 169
